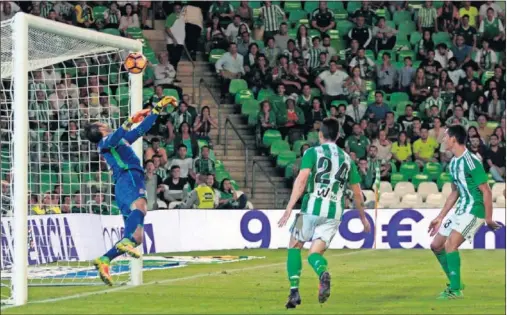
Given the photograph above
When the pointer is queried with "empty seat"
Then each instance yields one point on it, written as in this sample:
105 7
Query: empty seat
369 195
500 202
411 201
385 187
389 200
435 200
403 188
446 189
427 188
498 190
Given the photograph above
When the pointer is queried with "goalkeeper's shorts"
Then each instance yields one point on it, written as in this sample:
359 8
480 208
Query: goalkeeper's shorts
128 188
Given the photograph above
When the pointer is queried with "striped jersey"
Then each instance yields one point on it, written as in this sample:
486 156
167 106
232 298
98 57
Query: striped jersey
271 16
331 170
468 174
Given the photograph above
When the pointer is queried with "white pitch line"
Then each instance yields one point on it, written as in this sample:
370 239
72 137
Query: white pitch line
197 276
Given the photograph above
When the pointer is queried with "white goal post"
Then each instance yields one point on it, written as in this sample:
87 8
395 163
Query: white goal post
21 63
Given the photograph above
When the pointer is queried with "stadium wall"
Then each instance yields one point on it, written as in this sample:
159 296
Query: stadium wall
81 237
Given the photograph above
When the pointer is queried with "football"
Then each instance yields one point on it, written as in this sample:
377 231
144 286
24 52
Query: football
135 63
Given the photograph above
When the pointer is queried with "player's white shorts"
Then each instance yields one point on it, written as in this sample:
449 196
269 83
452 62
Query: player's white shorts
308 227
466 224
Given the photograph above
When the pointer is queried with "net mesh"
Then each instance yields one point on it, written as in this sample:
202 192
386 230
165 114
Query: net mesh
71 83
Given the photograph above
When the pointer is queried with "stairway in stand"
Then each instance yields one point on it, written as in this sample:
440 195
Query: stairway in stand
234 160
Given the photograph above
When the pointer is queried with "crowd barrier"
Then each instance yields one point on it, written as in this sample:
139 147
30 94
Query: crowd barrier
81 237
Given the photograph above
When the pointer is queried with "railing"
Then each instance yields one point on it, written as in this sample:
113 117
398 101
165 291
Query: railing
193 71
202 83
266 174
229 123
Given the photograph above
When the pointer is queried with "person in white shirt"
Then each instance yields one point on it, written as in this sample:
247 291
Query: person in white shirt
164 71
454 72
365 64
9 8
232 29
356 110
57 98
51 77
185 163
443 54
483 10
175 35
333 80
230 66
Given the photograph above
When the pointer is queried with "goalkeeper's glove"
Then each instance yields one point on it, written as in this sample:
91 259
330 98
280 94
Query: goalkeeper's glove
136 118
162 104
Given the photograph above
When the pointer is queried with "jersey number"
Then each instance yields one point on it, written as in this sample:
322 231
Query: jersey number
325 166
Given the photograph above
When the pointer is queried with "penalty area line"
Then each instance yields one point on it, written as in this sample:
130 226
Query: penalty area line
172 280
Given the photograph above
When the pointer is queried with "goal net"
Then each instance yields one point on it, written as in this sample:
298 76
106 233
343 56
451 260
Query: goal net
75 76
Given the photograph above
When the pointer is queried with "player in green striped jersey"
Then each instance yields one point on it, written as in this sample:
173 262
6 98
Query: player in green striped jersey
475 206
325 172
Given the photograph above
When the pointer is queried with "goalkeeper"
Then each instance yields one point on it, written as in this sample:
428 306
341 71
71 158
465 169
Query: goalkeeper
128 176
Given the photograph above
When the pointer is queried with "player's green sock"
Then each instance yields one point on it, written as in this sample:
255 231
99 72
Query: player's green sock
454 263
294 267
318 263
442 259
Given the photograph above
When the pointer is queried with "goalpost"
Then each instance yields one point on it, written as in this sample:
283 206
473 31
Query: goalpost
56 78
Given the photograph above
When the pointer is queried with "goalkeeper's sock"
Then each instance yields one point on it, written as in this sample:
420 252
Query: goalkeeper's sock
294 266
442 259
135 220
318 263
112 253
454 263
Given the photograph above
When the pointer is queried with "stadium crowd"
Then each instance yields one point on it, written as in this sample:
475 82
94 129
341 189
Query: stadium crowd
393 73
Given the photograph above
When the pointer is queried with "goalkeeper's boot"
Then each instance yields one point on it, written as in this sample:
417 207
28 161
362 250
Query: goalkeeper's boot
126 246
294 299
102 266
451 295
324 287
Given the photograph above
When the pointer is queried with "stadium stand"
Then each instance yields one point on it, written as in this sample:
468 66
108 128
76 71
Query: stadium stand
361 47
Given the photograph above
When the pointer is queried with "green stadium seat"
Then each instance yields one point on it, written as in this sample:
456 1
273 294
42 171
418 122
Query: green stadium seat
135 32
111 31
289 172
397 97
311 6
234 184
250 107
316 92
264 94
343 27
285 158
339 45
492 124
352 6
370 54
338 103
441 37
409 169
486 76
341 14
313 33
237 85
215 54
401 44
332 5
473 124
415 38
312 138
419 178
292 32
260 43
252 119
370 85
296 146
219 166
391 53
433 170
242 96
397 177
278 147
220 176
400 16
171 92
270 136
384 12
292 6
442 179
147 94
391 24
122 93
402 54
98 12
298 15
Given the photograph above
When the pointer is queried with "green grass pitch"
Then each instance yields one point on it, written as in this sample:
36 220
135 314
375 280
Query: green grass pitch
365 282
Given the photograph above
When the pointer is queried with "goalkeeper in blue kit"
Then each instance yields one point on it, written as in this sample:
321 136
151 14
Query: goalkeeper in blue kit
128 176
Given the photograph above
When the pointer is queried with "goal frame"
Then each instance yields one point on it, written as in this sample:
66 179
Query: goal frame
21 24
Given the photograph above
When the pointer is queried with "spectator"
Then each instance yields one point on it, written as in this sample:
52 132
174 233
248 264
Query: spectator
70 141
470 11
65 12
270 15
425 45
495 160
457 117
173 186
448 17
472 95
229 198
315 116
356 110
203 124
215 35
229 66
406 75
282 37
431 67
48 206
483 10
314 54
155 149
479 108
246 47
401 150
443 54
291 120
77 204
202 197
184 162
492 30
203 164
232 30
159 169
303 40
364 63
84 15
165 74
185 137
438 131
322 19
357 142
383 146
260 76
178 117
434 100
7 12
361 33
222 9
345 121
152 182
245 12
323 65
484 131
377 111
333 80
386 74
373 160
367 177
391 127
366 12
496 106
210 181
427 18
414 132
293 80
305 98
112 16
498 78
466 82
175 35
385 36
476 147
193 28
419 88
424 148
130 19
485 57
460 51
468 32
266 119
326 47
97 205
